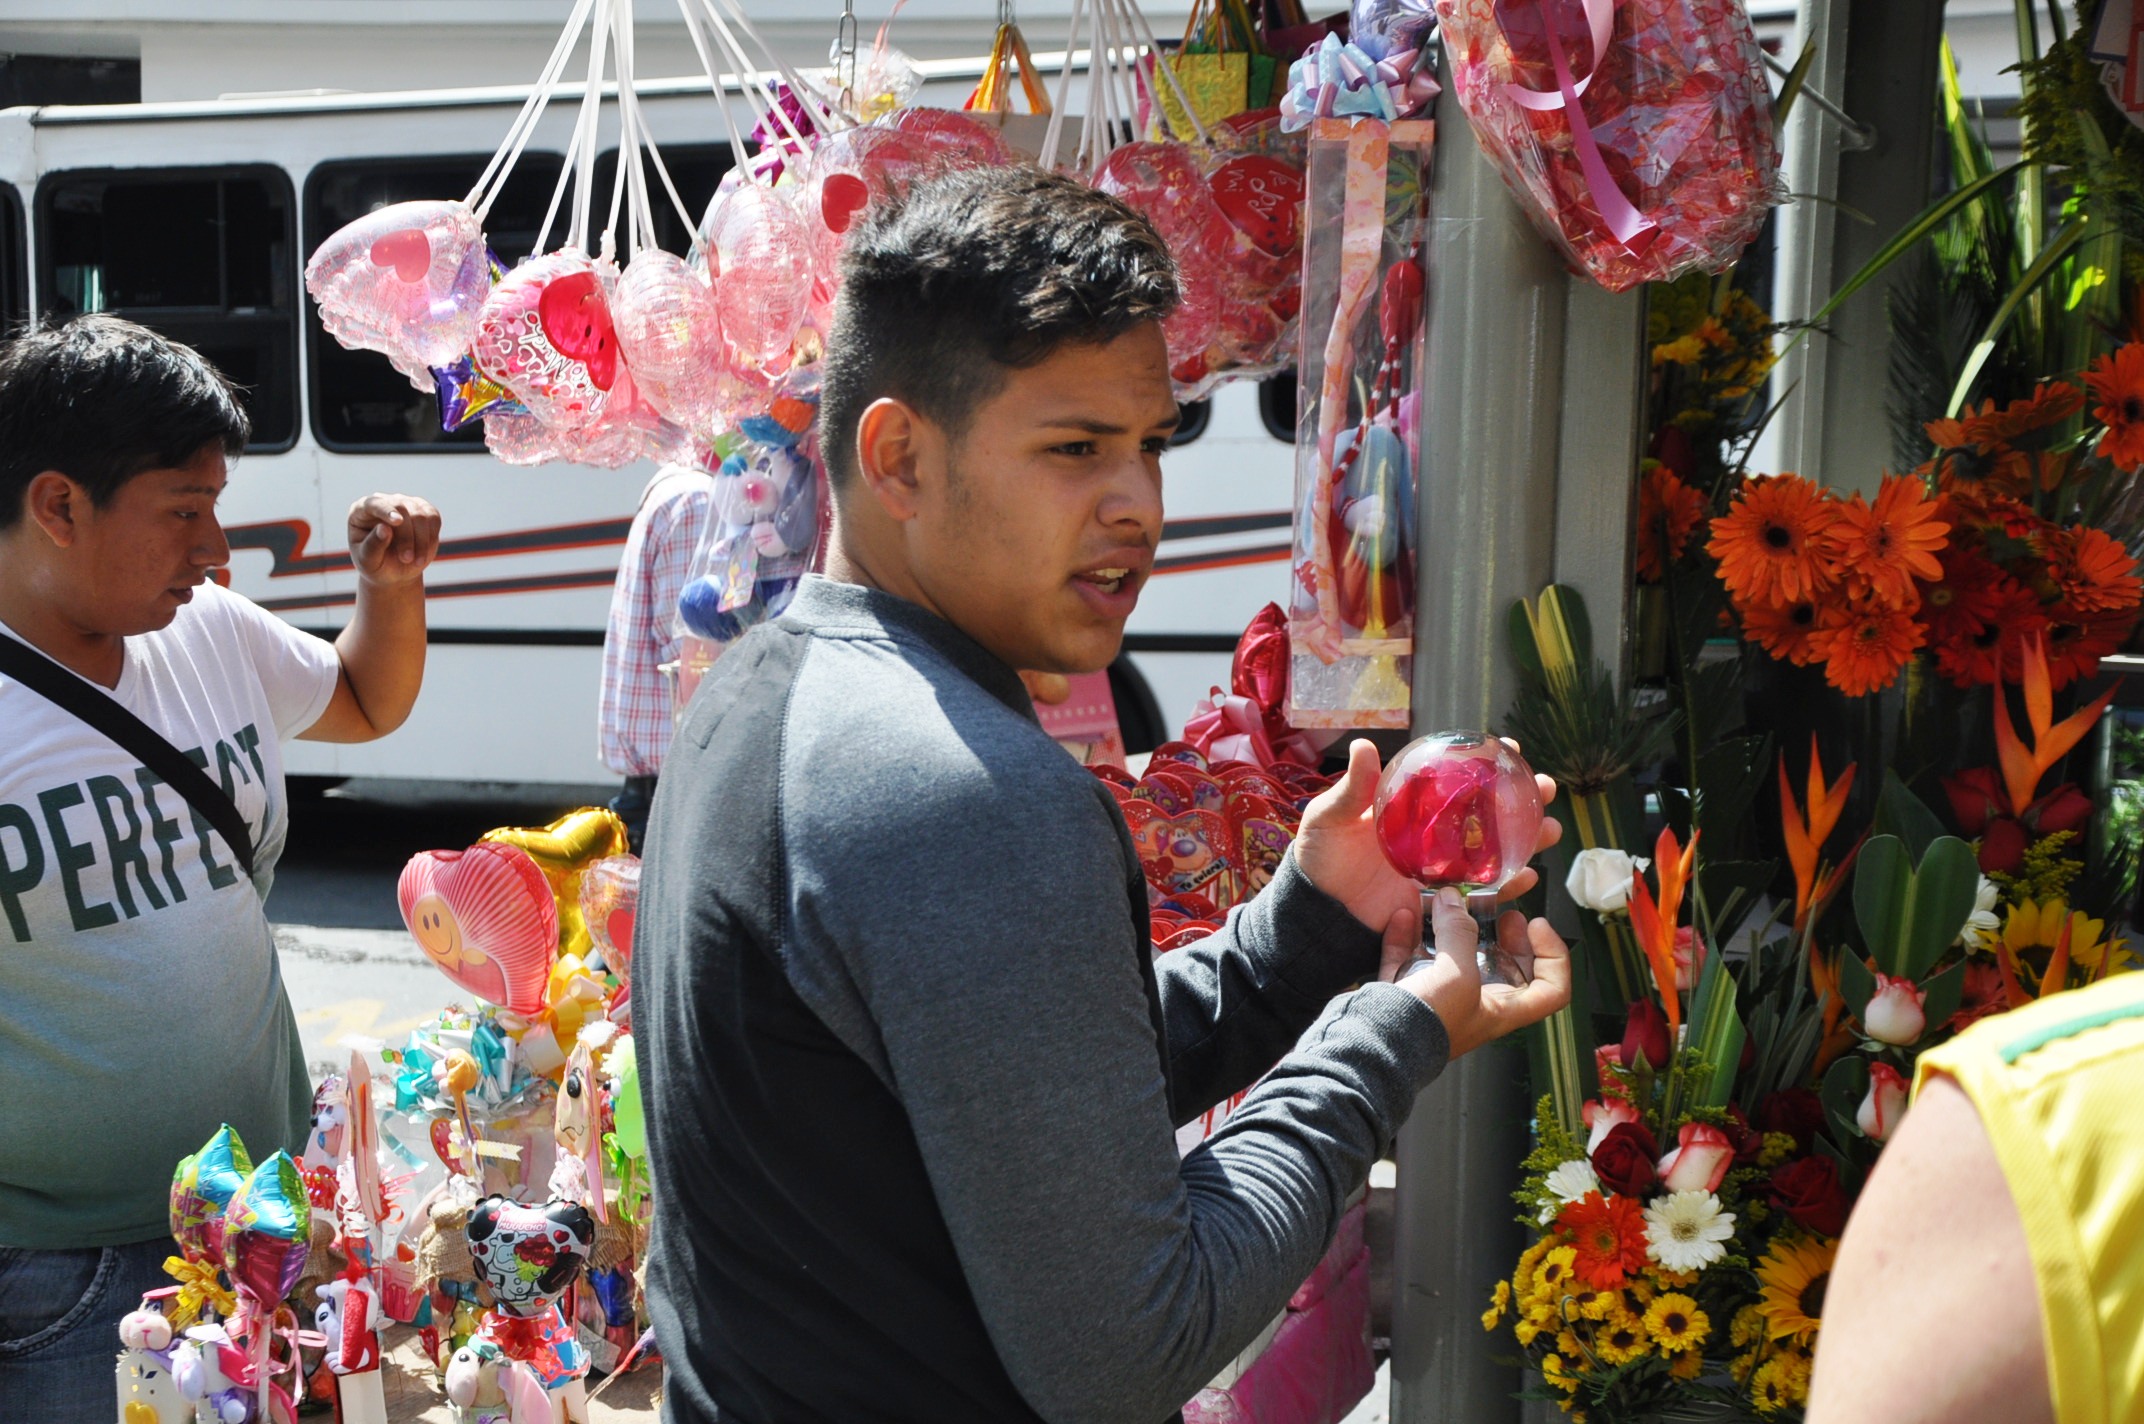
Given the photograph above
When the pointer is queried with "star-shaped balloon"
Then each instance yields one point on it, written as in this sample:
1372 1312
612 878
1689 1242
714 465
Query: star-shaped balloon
467 394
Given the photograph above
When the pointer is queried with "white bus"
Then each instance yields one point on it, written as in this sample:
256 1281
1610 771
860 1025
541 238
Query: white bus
195 218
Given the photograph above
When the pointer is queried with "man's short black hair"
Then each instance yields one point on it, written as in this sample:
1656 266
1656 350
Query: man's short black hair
973 274
101 400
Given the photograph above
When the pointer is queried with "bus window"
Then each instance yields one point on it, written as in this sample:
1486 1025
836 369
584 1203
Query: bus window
14 273
359 402
201 255
1192 419
1276 404
696 170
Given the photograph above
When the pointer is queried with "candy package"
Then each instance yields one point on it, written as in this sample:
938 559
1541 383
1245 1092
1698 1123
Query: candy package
1637 135
1357 446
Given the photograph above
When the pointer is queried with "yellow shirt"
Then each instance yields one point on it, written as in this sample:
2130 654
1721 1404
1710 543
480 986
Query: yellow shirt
2059 1085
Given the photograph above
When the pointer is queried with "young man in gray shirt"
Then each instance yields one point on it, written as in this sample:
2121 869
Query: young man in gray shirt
912 1072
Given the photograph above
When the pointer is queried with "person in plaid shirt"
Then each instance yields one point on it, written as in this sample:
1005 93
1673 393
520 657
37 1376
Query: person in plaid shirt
633 714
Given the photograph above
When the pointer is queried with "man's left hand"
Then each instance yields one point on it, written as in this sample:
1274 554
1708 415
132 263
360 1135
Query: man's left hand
393 538
1337 847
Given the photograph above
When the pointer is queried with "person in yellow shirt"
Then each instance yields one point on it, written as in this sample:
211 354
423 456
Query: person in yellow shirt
1993 1271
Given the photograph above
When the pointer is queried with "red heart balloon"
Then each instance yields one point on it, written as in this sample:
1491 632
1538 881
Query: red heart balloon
407 251
1263 198
576 320
841 197
486 916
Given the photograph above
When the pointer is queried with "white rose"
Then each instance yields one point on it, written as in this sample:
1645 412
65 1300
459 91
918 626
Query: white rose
1600 879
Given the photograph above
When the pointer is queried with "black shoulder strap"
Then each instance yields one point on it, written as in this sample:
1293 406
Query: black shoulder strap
42 675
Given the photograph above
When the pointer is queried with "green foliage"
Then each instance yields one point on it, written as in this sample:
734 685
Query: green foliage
1911 916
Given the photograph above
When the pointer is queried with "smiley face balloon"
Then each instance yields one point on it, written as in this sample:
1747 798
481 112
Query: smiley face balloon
486 916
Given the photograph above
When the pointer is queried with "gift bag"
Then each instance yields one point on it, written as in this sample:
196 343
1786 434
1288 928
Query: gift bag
1213 67
1357 440
1009 58
1637 134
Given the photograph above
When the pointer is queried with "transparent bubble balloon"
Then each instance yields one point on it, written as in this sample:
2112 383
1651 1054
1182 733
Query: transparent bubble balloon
1458 809
763 274
958 140
407 281
629 429
546 335
670 333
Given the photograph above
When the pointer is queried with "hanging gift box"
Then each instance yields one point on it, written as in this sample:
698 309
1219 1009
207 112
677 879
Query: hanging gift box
1637 135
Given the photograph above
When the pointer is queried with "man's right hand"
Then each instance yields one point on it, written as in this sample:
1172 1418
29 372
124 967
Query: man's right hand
1472 1012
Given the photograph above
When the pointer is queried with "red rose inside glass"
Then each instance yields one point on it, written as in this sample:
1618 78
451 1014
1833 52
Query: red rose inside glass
1460 810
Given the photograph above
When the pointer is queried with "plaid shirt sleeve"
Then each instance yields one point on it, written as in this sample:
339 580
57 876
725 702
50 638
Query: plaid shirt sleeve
633 714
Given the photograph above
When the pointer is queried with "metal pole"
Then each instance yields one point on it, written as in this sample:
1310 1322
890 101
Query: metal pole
1487 523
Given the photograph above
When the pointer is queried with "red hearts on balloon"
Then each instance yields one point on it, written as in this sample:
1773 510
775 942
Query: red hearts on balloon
407 251
1263 197
841 197
576 318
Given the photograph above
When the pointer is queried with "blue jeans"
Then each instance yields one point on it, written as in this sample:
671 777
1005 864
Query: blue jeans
59 1326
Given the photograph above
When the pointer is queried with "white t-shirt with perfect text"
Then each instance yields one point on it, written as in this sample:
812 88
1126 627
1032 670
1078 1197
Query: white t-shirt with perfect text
141 1004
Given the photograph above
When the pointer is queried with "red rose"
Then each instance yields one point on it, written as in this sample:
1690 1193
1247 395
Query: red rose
1797 1111
1976 798
1808 1190
1748 1143
2063 809
1624 1160
2002 847
1645 1036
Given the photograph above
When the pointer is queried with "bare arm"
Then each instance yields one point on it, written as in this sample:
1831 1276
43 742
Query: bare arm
1933 1315
392 540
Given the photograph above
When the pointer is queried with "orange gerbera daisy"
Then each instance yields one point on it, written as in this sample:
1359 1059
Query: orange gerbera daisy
2077 640
2093 570
1863 642
2117 381
1992 653
1785 630
1883 547
1668 513
1609 1233
1770 541
2049 403
1958 606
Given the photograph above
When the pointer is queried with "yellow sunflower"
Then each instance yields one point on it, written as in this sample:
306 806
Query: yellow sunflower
1622 1339
1793 1276
1528 1331
1553 1276
2031 926
1596 1304
1747 1329
1675 1323
1553 1372
1770 1391
1688 1365
1569 1346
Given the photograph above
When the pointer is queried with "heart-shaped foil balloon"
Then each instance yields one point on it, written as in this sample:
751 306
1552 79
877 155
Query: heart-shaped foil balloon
670 331
407 280
201 1187
610 896
267 1231
1184 852
528 1255
546 334
564 850
487 917
957 140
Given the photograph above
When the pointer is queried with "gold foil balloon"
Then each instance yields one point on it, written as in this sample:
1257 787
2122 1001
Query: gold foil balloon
564 850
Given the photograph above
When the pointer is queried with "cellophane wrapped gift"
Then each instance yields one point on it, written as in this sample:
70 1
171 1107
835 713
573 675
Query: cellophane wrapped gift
1357 444
1640 142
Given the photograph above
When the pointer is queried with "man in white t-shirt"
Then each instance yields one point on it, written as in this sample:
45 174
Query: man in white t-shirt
140 999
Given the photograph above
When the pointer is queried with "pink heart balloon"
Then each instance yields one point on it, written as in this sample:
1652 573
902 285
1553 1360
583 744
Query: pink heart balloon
554 350
610 894
486 917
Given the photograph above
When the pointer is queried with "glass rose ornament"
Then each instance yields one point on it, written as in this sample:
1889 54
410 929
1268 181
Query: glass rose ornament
408 281
1461 810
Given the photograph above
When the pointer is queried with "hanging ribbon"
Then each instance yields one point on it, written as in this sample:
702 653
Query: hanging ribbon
1625 223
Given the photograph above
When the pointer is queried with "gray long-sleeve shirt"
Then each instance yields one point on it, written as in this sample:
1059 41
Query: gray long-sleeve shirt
862 813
